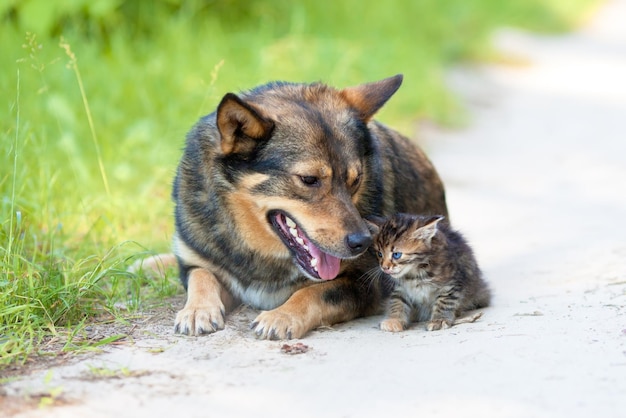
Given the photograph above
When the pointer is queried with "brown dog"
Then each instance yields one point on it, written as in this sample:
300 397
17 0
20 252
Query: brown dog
270 194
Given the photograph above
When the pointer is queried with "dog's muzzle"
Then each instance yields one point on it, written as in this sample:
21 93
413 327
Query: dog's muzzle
312 260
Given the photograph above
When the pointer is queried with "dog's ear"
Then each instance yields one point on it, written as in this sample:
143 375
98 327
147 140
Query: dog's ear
368 98
240 125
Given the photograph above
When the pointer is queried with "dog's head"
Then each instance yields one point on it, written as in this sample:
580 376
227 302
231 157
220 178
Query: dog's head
300 158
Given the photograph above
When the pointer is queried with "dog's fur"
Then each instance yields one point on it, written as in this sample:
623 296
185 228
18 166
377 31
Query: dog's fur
310 153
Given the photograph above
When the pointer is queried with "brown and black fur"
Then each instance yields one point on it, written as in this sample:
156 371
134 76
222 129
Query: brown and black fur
307 152
436 273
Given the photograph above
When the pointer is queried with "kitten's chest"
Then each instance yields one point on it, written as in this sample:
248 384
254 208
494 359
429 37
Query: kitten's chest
422 294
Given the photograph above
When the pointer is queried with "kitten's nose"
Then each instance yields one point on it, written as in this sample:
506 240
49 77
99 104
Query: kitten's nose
358 242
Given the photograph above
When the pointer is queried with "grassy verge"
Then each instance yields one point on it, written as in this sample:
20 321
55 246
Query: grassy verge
97 100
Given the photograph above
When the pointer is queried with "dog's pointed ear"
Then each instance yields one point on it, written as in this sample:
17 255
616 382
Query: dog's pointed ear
240 125
368 98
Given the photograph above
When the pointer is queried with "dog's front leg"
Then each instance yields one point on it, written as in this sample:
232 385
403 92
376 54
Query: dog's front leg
308 308
207 303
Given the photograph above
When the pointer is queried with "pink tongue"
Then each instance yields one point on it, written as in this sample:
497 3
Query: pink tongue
327 265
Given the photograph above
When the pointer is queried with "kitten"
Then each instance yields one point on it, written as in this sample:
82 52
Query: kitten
434 269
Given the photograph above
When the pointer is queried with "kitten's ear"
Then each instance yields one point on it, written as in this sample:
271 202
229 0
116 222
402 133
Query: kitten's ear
428 231
374 223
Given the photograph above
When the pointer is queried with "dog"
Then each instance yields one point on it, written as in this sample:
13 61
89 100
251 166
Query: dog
270 196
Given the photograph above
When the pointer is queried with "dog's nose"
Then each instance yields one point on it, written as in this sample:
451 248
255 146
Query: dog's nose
358 242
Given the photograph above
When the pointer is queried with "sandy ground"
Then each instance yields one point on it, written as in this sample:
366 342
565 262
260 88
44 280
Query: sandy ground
538 185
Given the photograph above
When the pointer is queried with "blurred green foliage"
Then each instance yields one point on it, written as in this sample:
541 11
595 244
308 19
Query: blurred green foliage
341 42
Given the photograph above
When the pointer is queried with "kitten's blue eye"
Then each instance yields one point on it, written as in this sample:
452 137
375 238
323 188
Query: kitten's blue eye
380 255
396 256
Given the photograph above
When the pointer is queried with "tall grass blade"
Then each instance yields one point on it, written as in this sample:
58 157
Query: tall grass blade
73 65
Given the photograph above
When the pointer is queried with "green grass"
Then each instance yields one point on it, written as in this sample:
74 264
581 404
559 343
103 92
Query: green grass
98 96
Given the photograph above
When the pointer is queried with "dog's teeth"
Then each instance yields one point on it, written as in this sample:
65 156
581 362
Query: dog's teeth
299 240
293 232
314 262
290 223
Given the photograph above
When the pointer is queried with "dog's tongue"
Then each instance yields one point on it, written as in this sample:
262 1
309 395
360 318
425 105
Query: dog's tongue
327 265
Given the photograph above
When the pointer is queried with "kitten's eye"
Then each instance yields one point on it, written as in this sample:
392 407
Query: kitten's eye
379 254
396 256
310 180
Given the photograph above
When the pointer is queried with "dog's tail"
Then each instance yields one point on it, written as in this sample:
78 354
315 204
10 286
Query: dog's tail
154 266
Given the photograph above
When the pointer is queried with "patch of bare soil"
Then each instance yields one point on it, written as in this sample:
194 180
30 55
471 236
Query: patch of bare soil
124 331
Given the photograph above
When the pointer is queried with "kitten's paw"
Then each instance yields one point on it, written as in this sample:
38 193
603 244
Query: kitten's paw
392 325
437 324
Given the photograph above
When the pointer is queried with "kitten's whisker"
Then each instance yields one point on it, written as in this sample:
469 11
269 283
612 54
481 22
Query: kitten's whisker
370 277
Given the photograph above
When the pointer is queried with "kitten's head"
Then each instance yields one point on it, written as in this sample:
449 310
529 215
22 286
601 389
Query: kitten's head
403 242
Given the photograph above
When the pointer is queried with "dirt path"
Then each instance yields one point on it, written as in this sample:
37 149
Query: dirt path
538 185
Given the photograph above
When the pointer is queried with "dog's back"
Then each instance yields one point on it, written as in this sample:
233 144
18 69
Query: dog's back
411 183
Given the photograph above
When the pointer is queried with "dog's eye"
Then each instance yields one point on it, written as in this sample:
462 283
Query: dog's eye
310 180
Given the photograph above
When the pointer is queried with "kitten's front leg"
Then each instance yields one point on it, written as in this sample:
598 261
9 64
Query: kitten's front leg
398 312
444 311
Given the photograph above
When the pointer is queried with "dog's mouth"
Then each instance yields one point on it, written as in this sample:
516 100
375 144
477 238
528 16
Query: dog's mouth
312 260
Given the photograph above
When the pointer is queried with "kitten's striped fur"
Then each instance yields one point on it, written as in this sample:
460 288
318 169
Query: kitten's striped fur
434 269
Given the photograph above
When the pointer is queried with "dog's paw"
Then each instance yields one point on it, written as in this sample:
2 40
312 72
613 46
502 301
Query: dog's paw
199 320
392 325
276 325
437 324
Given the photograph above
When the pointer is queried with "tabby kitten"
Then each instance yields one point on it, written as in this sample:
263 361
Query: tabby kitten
434 269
